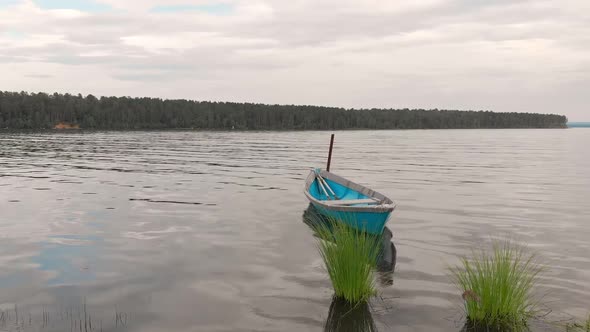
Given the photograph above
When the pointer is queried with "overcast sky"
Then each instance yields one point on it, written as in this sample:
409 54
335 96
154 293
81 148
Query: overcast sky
529 56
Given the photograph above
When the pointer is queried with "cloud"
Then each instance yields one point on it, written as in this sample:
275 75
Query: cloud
81 5
38 76
6 3
501 55
214 8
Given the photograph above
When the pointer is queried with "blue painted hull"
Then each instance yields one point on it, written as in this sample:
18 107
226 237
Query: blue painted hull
370 222
348 202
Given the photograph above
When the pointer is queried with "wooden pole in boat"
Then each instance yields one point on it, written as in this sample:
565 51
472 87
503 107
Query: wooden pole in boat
330 153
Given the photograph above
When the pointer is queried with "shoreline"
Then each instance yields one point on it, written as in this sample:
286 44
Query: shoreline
264 130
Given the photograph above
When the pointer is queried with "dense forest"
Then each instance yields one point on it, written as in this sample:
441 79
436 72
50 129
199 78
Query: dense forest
21 110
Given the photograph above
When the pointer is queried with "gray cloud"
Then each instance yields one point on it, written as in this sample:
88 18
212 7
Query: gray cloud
38 76
502 55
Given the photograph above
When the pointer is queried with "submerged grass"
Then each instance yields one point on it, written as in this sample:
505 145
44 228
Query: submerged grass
350 256
344 317
497 288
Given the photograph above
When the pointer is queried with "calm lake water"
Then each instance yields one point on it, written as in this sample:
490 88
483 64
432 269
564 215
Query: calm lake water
203 231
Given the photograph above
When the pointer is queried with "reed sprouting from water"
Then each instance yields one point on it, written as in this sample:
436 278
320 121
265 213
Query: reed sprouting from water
76 318
579 327
497 288
350 256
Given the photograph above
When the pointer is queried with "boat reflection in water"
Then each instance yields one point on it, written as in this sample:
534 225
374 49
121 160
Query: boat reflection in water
342 316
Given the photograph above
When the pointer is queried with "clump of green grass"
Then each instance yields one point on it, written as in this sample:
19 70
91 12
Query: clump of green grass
579 327
497 288
350 256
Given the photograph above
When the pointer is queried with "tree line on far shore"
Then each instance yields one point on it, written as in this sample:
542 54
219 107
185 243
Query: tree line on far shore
21 110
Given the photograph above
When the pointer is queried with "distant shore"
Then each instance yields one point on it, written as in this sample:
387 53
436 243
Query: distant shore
578 124
21 110
222 130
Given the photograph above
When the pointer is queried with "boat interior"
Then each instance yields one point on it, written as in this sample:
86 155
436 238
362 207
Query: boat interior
333 193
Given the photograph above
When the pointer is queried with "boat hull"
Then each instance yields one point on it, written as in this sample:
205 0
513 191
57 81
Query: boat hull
365 214
370 222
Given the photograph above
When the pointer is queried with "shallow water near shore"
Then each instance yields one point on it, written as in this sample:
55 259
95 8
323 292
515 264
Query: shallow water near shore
203 231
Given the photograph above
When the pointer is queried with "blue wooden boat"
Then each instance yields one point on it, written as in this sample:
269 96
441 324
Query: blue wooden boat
349 202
